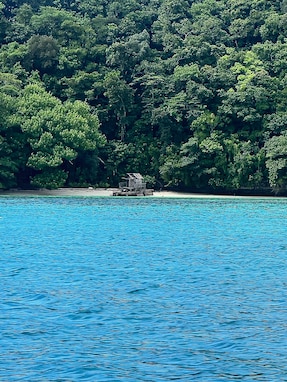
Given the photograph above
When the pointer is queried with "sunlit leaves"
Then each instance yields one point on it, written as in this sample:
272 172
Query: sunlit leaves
56 131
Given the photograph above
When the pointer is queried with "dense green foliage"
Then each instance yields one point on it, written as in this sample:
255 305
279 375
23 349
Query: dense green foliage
191 93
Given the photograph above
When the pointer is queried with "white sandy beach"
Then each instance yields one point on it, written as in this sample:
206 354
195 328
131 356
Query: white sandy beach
105 192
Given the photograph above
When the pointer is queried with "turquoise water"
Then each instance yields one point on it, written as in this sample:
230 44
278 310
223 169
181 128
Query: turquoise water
103 289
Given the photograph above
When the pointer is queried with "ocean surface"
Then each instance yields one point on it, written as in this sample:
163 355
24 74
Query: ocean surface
143 289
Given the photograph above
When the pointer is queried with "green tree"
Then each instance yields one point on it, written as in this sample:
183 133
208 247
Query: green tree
19 28
120 97
57 133
12 144
43 53
276 160
198 164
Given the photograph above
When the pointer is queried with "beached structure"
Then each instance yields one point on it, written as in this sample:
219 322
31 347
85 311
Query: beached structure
133 185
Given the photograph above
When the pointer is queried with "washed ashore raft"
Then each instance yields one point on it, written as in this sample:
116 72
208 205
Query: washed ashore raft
133 185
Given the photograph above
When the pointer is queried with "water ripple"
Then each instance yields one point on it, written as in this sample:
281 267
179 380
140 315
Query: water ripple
143 290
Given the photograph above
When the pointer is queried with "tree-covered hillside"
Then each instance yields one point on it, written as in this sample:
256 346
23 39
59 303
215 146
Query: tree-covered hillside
191 93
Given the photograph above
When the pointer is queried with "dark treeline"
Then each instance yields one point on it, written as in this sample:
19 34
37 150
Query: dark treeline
190 93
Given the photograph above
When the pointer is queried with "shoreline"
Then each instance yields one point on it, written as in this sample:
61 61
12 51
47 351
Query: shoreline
108 192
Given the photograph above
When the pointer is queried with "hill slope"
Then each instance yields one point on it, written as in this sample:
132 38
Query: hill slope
190 93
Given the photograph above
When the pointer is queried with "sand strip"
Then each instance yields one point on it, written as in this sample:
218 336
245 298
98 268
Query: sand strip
107 192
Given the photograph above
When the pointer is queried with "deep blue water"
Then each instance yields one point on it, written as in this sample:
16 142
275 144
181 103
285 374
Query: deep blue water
111 289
